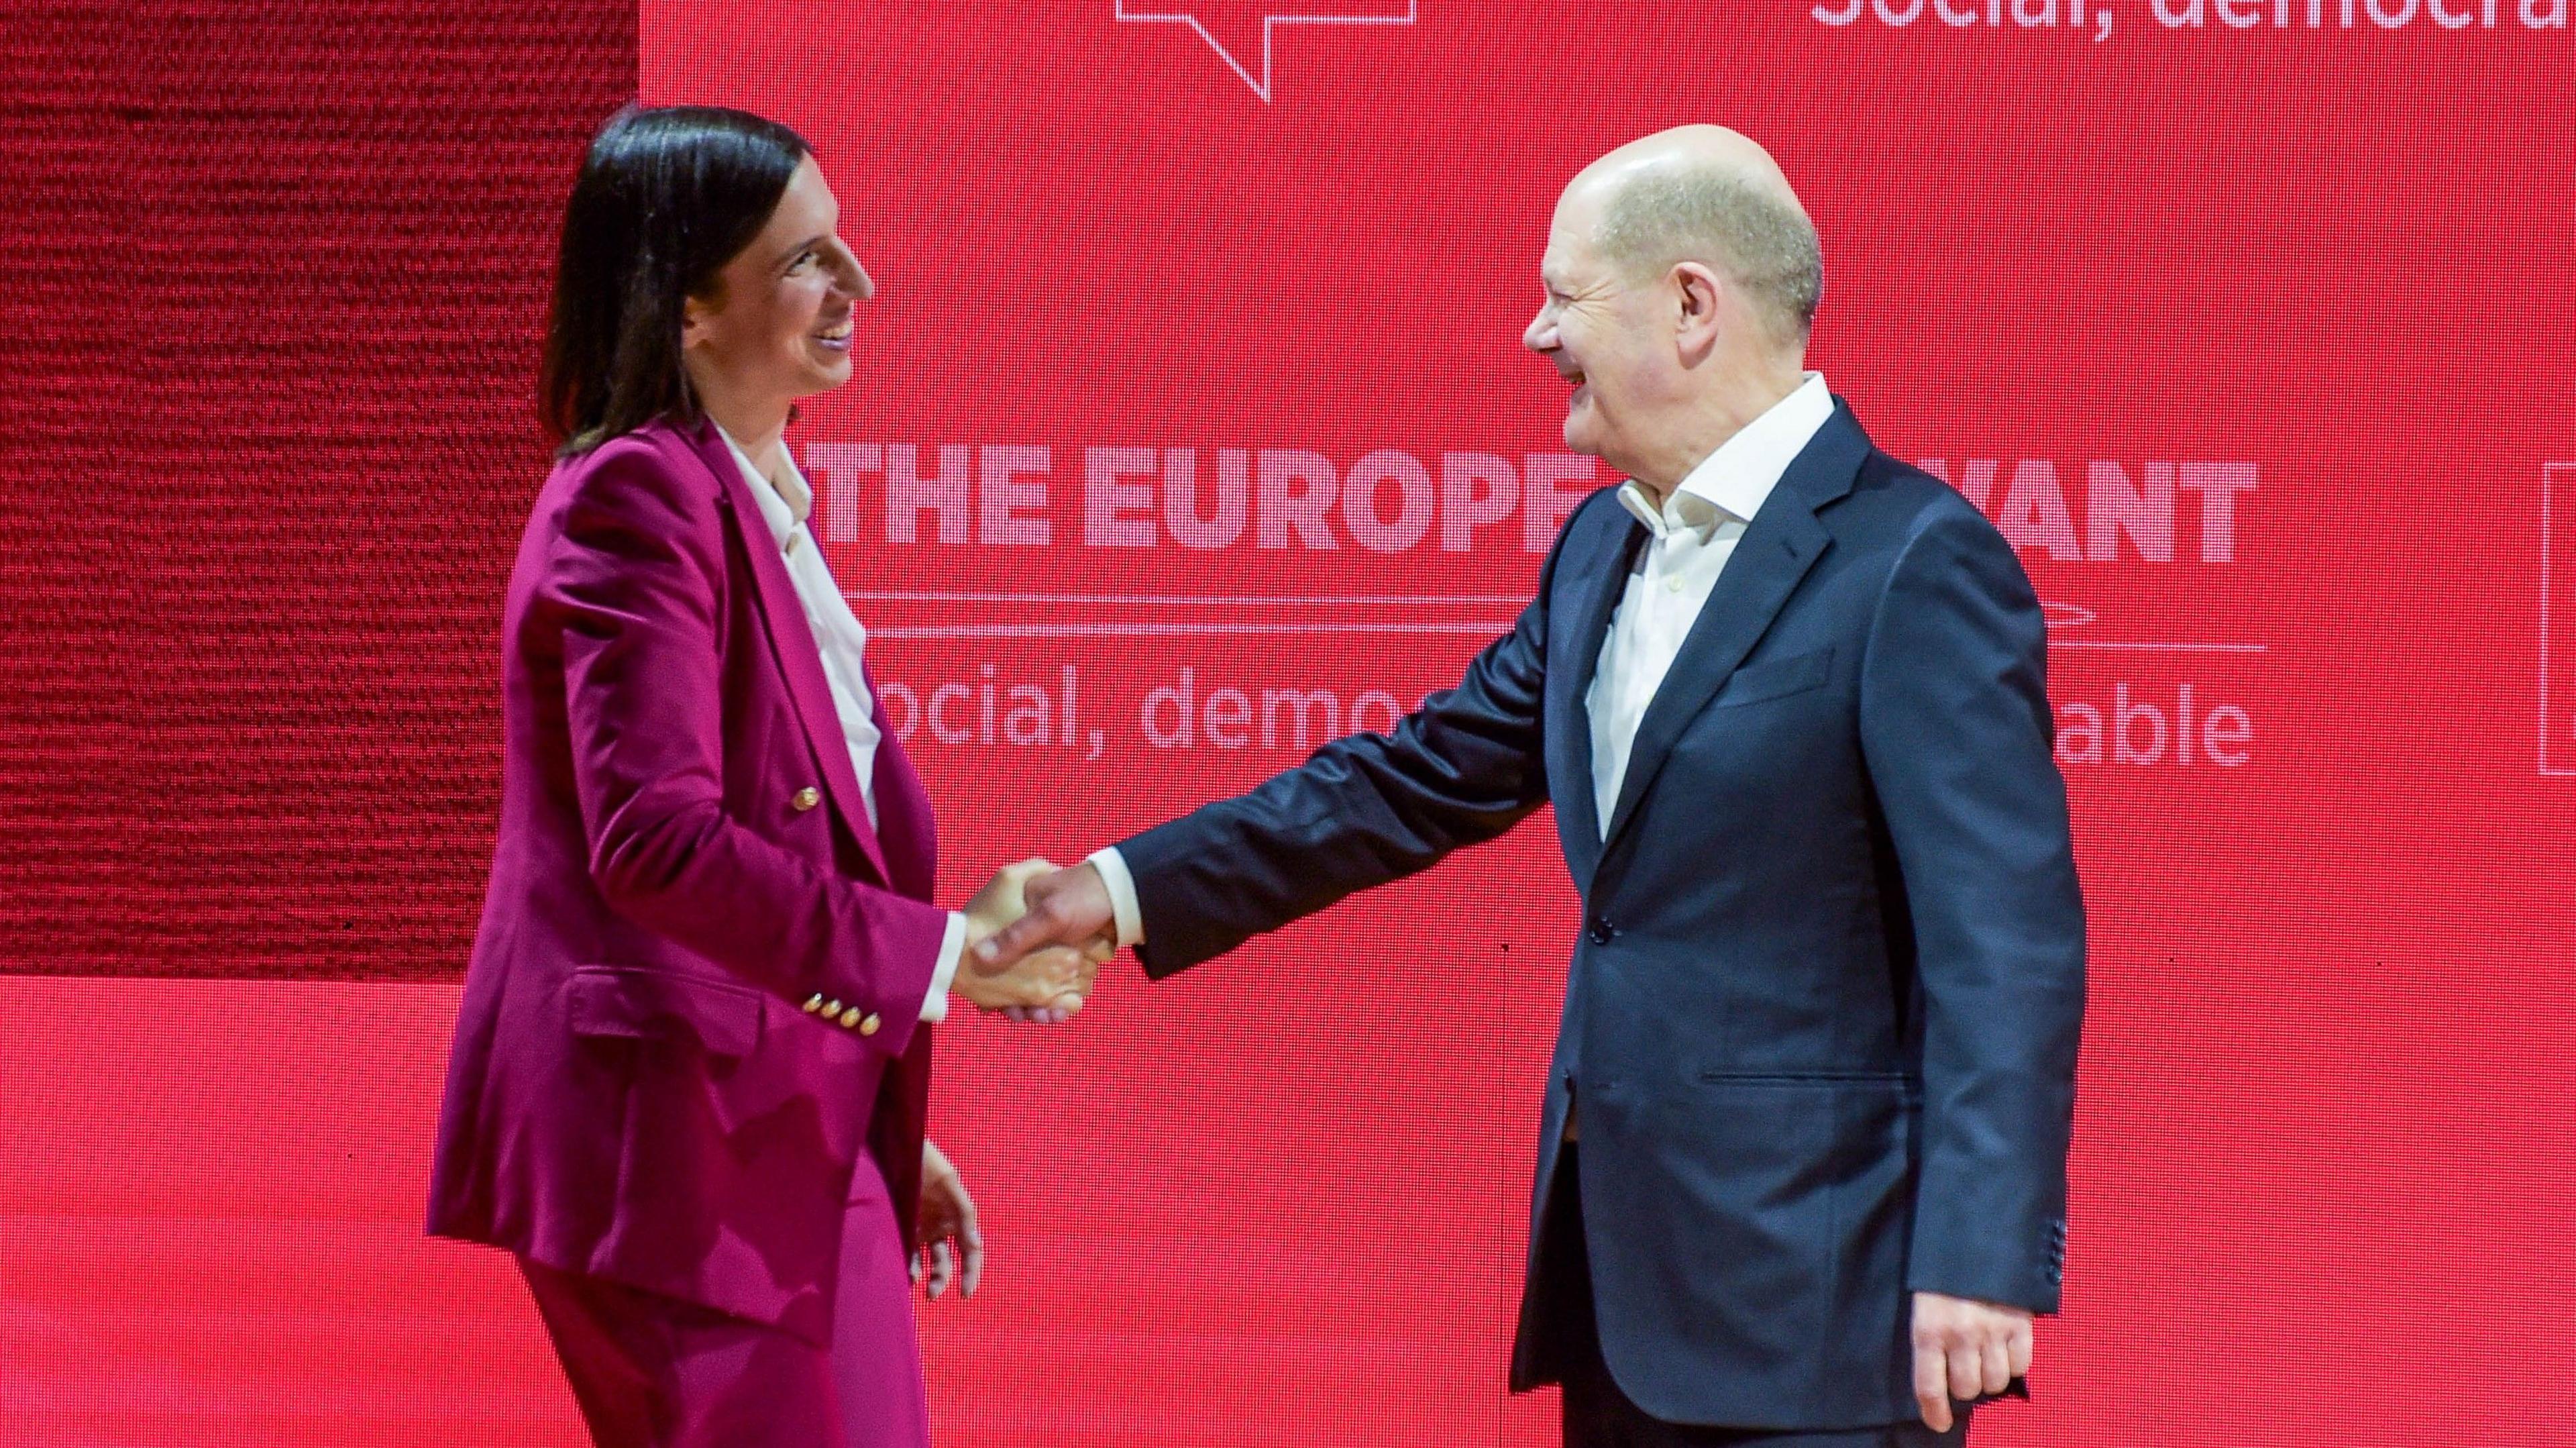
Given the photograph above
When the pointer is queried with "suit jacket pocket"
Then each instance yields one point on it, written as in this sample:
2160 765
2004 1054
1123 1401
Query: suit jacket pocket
1776 678
1889 1079
632 1003
1819 1173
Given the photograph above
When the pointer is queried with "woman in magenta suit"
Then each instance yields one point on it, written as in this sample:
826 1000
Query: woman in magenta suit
691 1066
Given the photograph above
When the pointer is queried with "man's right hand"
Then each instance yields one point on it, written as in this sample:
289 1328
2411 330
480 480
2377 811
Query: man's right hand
1045 984
1066 909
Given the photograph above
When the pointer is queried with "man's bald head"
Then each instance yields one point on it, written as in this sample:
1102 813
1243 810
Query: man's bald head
1710 195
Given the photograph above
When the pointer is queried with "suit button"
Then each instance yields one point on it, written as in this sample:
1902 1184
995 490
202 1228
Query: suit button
806 798
1602 930
831 1008
813 1003
868 1026
851 1016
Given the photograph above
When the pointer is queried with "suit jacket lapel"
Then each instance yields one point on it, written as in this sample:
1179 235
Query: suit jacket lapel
791 641
1590 597
907 830
1778 547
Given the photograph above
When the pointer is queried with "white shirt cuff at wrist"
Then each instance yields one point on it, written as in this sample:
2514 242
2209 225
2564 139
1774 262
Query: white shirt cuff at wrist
1122 894
934 1006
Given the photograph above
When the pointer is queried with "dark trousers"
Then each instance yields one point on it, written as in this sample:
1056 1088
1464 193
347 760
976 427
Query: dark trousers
1598 1414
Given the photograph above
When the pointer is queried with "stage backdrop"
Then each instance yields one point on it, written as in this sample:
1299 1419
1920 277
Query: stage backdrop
1191 427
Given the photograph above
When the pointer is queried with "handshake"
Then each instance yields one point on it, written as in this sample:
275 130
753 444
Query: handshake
1036 937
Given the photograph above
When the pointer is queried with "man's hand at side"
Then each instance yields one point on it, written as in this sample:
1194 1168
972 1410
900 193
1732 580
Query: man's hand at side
1965 1350
1031 984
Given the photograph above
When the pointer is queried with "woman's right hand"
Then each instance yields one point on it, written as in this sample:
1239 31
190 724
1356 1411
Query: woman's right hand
1044 985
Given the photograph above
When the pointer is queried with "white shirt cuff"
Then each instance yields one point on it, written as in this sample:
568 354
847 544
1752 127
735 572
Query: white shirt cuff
1122 894
952 946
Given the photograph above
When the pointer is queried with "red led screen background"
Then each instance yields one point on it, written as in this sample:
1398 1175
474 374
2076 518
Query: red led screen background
1190 426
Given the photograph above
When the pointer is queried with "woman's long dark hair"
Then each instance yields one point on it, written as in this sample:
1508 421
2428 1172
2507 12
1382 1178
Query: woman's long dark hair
667 195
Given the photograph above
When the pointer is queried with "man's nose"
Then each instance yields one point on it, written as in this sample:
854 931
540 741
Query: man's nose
1540 336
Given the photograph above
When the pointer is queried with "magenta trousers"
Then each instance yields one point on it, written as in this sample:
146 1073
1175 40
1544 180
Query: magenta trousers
654 1372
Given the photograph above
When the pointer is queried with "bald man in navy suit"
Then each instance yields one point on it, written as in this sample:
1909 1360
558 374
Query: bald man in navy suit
1802 1170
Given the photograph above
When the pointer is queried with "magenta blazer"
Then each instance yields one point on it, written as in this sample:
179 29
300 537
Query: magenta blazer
696 994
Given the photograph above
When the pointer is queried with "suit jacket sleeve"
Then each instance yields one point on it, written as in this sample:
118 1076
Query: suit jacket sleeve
636 580
1959 736
1363 810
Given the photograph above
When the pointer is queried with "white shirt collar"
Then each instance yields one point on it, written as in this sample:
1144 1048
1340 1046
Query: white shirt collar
1733 481
784 503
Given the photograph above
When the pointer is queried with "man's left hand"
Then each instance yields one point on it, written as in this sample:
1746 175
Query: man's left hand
947 1215
1965 1350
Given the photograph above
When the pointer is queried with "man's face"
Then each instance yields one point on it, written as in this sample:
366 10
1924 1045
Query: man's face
1596 327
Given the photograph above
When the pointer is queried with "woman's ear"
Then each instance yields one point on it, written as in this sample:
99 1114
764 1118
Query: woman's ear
693 322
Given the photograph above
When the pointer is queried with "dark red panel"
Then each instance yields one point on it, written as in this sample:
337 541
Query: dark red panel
273 276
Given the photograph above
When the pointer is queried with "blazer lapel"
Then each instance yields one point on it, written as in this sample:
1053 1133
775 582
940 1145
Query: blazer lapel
791 641
1590 598
1778 547
906 829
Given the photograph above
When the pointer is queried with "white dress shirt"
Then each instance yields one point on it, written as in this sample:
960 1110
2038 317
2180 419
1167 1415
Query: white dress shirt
785 502
1689 540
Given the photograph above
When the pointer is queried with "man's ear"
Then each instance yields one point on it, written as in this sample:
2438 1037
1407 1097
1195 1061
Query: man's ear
1696 292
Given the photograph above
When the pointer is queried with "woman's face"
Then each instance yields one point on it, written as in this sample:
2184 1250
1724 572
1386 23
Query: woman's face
778 326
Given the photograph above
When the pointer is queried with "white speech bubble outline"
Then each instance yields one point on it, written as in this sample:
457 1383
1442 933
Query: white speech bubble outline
1261 87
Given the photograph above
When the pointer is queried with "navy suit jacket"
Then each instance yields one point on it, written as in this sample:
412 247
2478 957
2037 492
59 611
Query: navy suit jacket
1824 1007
